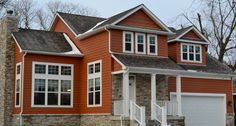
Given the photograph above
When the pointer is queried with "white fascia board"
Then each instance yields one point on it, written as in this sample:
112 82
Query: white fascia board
16 42
51 53
183 73
188 41
123 66
58 15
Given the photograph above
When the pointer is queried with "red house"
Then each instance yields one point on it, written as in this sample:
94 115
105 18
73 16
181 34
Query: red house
124 70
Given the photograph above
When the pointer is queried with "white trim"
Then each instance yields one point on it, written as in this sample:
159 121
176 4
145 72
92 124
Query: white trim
93 76
191 41
75 50
52 53
123 66
52 24
117 72
234 93
18 77
132 75
183 73
194 53
132 42
136 43
148 44
149 13
58 77
205 94
188 41
16 42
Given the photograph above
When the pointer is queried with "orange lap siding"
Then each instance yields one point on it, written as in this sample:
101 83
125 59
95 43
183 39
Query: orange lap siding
197 85
28 84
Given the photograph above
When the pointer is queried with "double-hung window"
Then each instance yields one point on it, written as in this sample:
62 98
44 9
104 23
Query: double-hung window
94 83
18 85
152 44
191 53
128 42
140 41
52 85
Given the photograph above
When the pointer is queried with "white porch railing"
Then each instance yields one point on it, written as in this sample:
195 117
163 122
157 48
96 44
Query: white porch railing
137 113
171 106
119 107
159 114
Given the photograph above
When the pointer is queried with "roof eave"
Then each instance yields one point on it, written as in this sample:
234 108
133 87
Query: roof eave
181 72
188 41
53 53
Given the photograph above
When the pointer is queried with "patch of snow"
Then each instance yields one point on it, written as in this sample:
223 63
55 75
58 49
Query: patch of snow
75 50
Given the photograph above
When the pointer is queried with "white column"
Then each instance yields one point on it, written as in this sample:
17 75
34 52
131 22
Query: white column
178 94
125 93
153 94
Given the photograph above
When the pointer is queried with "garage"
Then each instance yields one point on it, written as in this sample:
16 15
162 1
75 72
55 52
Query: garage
201 109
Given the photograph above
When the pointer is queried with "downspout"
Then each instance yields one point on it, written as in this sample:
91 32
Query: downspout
109 41
22 89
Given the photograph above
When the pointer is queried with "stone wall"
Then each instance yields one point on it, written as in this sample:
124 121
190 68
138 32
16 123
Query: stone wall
71 120
7 26
230 119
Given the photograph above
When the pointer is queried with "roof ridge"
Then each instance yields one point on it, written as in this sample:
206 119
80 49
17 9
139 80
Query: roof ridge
80 15
24 29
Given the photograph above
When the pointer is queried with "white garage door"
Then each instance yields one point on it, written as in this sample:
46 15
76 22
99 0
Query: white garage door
203 109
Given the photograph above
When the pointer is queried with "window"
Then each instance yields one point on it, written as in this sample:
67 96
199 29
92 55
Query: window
191 52
152 44
94 83
18 85
128 42
52 85
140 43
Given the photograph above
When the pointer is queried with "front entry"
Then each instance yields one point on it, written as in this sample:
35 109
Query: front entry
132 88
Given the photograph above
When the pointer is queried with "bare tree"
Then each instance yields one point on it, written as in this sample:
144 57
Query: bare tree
25 10
3 3
45 17
217 20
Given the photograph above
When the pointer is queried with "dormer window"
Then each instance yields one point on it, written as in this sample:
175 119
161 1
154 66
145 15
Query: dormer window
140 43
128 42
152 44
191 53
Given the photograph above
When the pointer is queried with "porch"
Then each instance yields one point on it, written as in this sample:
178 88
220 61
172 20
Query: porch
144 98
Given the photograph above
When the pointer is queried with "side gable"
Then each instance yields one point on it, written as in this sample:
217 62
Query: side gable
140 19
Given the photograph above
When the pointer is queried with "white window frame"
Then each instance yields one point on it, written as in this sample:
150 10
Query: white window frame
156 44
136 43
93 76
194 53
132 42
58 77
18 77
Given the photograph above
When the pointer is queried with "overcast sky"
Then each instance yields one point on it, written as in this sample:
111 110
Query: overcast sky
166 10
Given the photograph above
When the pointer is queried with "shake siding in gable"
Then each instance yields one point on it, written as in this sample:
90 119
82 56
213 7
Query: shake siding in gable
18 58
197 85
28 84
94 48
140 19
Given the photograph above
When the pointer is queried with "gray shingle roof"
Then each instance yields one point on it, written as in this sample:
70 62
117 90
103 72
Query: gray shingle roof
178 32
212 65
46 41
80 23
147 61
116 17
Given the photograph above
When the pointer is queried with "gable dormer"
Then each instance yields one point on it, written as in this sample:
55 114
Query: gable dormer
188 46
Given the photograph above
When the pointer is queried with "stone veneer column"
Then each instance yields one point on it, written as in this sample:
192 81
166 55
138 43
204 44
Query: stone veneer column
8 25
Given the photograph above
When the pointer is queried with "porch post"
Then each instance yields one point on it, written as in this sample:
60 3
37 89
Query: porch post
178 94
125 93
153 94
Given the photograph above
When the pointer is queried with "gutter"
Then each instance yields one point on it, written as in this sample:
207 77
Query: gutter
89 33
53 54
22 85
181 72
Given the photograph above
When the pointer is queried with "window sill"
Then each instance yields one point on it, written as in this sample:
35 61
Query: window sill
44 106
